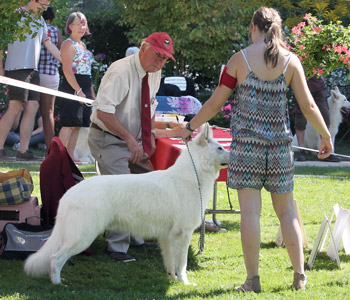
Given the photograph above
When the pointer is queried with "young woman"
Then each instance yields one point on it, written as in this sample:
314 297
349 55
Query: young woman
76 65
261 153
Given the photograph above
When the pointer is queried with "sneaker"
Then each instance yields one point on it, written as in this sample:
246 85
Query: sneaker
300 156
332 158
121 256
28 155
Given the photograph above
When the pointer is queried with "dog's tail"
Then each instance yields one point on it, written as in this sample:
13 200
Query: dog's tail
39 263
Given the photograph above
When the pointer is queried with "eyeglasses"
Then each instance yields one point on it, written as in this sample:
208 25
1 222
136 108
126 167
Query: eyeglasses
161 57
81 23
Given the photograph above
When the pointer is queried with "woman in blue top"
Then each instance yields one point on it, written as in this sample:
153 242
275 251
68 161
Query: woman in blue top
261 153
76 65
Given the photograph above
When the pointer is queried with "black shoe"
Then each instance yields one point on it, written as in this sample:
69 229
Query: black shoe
28 155
332 158
146 245
121 256
300 156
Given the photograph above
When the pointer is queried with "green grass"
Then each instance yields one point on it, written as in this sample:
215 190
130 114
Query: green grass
216 271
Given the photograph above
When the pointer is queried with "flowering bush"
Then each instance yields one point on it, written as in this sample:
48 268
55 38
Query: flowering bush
98 70
223 118
321 48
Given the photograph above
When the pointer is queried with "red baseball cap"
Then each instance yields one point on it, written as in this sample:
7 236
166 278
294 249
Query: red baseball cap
161 43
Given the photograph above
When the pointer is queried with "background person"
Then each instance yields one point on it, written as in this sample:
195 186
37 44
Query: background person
162 129
118 140
22 61
37 139
76 65
318 91
168 129
49 77
261 152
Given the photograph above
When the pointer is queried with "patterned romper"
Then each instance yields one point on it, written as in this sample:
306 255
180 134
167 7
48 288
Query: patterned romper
261 152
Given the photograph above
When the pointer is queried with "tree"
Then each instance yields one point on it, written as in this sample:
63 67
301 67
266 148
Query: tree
205 32
10 17
292 11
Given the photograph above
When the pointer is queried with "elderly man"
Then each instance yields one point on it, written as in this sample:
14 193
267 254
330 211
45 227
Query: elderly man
22 63
121 137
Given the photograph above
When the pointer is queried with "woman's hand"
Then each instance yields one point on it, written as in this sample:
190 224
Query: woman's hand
326 148
81 94
186 135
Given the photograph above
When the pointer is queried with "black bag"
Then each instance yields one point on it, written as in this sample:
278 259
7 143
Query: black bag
19 240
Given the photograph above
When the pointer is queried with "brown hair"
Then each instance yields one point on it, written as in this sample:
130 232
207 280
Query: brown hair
72 18
269 21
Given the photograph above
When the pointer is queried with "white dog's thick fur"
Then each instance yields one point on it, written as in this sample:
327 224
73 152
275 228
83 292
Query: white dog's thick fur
336 102
82 150
160 204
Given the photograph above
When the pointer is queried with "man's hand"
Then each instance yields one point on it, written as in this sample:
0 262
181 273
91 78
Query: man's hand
153 141
135 149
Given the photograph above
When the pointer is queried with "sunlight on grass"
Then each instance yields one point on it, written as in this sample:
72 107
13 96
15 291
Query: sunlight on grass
216 271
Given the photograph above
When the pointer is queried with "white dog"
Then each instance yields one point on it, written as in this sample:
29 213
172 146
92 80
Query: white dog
160 204
82 150
336 102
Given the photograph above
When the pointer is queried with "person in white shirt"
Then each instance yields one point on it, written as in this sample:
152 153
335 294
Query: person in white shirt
115 136
22 64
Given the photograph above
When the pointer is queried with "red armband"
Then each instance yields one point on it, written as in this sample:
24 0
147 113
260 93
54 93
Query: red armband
227 79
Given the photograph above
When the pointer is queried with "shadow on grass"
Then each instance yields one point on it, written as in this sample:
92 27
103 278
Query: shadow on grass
323 262
197 294
269 245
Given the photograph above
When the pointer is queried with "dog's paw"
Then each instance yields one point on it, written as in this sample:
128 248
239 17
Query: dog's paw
172 276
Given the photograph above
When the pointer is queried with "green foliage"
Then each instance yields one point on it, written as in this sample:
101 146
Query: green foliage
205 33
10 18
321 48
292 10
3 99
107 36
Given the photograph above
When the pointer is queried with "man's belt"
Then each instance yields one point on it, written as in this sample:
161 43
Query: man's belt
95 126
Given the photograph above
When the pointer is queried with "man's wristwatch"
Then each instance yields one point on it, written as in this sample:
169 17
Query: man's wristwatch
188 127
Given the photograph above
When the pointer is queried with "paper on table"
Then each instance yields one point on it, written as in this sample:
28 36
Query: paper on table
180 146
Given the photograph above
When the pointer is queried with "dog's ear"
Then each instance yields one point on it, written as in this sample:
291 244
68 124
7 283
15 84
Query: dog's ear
335 95
205 135
208 132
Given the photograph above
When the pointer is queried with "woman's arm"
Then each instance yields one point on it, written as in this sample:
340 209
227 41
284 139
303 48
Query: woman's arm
217 100
40 127
67 52
51 47
60 38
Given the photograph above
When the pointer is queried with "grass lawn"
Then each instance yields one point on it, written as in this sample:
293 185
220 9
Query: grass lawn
216 271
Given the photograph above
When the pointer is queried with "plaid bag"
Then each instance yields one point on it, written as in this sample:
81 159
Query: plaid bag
16 187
